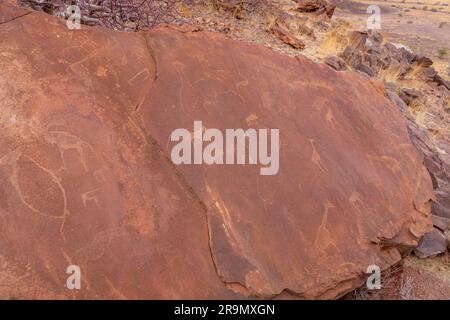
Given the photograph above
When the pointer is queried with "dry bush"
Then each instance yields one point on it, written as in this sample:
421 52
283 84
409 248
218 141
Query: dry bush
390 74
336 40
389 286
126 15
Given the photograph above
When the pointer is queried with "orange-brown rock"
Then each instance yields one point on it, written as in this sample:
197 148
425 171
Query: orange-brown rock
86 176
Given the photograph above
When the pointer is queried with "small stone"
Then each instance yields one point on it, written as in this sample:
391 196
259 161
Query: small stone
442 82
424 61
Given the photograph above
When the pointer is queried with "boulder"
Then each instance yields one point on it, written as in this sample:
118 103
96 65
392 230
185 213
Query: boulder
440 210
87 178
432 244
435 157
441 81
403 107
316 6
428 74
287 37
375 37
409 95
423 61
336 63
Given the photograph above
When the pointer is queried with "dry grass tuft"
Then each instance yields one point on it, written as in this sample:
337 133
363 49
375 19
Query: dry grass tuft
335 41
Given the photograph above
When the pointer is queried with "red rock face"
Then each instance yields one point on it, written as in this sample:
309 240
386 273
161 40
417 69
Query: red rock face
87 180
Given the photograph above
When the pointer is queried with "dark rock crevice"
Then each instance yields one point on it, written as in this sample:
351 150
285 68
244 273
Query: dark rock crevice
15 18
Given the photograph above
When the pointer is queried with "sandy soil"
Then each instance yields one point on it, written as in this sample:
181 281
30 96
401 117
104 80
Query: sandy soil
415 279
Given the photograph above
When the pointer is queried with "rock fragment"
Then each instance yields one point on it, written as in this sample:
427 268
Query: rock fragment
423 61
399 103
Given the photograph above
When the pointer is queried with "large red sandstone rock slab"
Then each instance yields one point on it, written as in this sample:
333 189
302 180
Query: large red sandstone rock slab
86 176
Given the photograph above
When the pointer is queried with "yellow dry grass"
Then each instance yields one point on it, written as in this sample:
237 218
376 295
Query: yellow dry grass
335 40
427 5
443 67
439 266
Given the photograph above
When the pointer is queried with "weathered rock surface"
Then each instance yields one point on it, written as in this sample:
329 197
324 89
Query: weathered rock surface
447 236
432 137
358 60
432 244
425 105
435 148
400 103
367 53
9 12
409 95
86 178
